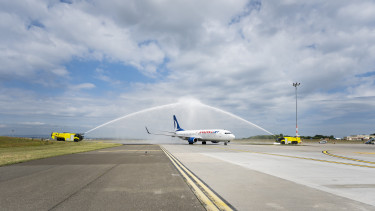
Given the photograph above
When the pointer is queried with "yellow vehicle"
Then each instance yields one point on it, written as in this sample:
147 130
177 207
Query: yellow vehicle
67 136
288 140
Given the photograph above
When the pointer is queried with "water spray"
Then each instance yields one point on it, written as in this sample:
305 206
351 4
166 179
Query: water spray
133 114
237 117
181 102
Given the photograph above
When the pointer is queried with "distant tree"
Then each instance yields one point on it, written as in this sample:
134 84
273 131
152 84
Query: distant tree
318 137
323 137
262 137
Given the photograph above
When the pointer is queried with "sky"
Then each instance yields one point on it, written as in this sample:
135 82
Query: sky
71 65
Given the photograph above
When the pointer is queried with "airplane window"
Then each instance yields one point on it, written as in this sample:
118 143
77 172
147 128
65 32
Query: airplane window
228 133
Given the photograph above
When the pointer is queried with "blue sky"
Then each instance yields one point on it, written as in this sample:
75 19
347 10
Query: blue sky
73 65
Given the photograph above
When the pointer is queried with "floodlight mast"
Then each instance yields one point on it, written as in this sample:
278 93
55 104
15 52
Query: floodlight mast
296 85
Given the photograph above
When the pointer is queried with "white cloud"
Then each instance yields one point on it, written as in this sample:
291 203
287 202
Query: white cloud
32 123
241 56
60 71
83 86
359 12
100 74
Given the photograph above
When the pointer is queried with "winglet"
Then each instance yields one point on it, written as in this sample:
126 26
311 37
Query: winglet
147 130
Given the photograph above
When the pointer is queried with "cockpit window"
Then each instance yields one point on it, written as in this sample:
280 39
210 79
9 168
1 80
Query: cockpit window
228 133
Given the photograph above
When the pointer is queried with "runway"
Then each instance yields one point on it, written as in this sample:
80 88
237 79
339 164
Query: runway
129 177
182 177
277 177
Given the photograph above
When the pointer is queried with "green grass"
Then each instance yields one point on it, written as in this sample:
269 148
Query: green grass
17 150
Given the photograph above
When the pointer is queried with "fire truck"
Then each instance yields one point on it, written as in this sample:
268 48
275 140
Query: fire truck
288 140
76 137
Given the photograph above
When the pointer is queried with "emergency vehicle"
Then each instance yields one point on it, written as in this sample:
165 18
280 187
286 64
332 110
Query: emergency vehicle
76 137
288 140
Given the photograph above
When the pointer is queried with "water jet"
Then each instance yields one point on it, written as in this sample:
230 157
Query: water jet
193 113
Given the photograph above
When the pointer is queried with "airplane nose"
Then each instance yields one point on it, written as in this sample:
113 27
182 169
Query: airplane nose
233 137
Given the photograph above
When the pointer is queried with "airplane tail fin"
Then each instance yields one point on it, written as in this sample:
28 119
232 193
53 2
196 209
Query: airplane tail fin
176 125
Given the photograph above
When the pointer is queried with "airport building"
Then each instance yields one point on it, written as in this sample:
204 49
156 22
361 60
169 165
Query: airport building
359 137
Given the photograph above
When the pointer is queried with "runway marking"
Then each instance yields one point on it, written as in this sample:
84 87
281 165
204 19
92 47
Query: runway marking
304 158
347 158
208 198
352 186
366 153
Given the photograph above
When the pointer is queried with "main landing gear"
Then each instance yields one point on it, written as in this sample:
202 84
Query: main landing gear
203 142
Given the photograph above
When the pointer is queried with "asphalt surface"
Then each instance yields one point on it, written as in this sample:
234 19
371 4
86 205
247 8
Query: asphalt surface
278 177
245 177
129 177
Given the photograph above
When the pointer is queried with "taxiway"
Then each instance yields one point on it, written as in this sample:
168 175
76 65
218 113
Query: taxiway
195 177
281 177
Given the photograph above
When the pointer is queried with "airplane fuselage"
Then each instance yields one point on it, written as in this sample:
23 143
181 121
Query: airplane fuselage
192 136
218 135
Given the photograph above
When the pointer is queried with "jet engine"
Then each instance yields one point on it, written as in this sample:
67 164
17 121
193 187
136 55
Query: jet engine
191 140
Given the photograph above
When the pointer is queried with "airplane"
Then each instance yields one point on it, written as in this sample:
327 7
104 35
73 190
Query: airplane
192 136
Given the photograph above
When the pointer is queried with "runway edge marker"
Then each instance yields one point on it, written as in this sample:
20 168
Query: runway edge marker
215 200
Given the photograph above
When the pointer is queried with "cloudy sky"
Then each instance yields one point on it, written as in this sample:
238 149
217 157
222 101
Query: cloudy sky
76 64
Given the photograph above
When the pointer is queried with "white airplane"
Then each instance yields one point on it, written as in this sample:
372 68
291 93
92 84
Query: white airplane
192 136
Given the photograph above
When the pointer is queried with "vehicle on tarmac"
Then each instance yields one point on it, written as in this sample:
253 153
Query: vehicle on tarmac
323 142
288 140
192 136
371 141
76 137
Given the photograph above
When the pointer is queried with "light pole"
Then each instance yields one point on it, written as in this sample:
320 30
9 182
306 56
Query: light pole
295 85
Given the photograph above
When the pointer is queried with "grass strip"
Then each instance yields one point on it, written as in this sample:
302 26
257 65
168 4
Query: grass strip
17 150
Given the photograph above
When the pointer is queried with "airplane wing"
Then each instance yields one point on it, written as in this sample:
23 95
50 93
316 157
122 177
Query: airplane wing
199 138
167 133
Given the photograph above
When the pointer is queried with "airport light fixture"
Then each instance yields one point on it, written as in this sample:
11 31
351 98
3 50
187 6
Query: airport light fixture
296 85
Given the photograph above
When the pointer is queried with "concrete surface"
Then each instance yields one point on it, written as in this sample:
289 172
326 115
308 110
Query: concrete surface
260 177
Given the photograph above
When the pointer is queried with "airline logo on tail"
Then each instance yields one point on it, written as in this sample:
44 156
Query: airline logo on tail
176 125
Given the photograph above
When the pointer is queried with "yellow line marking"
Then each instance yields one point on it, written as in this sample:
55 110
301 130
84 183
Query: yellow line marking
289 156
208 193
198 192
347 158
218 202
367 153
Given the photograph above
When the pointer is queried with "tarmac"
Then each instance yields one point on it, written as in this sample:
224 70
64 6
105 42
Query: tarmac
196 177
281 177
129 177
